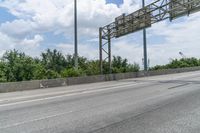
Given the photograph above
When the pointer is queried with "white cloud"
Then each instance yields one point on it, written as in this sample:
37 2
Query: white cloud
57 16
84 50
35 17
30 46
18 28
5 43
179 36
32 43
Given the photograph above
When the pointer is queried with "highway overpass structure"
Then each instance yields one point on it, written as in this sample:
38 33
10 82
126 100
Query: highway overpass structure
157 104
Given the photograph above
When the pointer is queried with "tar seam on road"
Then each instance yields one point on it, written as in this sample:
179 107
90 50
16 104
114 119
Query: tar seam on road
178 86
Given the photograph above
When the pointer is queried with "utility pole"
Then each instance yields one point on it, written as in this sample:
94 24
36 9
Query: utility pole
145 44
75 36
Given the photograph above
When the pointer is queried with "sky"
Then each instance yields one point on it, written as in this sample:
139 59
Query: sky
32 26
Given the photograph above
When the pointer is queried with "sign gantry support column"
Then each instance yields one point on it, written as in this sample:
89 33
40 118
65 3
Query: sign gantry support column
100 51
109 52
105 49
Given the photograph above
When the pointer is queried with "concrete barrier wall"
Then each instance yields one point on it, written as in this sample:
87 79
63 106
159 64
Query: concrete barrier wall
52 83
38 84
85 80
19 86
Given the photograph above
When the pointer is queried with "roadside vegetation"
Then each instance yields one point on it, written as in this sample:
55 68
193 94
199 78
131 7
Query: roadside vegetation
17 66
181 63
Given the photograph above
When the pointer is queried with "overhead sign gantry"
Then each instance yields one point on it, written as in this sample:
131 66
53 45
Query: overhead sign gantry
141 19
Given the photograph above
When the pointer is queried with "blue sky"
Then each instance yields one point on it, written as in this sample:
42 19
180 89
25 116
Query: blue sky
115 1
5 15
33 26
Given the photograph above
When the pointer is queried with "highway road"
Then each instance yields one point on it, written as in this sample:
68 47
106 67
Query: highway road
159 104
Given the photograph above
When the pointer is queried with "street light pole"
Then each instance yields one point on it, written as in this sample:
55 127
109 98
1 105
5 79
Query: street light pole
145 43
75 35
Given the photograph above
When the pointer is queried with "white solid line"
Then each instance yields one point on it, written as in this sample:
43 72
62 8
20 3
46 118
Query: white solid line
56 93
39 119
169 94
65 95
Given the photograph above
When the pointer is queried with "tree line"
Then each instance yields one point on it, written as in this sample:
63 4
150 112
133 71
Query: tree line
17 66
179 63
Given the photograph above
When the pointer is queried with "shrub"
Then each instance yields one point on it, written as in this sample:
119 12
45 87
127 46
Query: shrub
72 72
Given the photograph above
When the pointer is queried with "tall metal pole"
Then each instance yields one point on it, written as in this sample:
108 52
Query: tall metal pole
75 35
145 44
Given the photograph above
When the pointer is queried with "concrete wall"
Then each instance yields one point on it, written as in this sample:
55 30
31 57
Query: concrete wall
38 84
19 86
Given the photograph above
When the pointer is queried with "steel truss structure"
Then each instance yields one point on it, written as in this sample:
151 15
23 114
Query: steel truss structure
143 18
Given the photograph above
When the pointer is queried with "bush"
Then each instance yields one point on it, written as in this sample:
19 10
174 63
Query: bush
50 74
133 68
40 72
72 72
92 68
17 66
182 63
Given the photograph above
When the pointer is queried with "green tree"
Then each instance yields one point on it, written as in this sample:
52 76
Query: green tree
18 66
92 67
120 65
40 72
51 74
54 60
133 68
82 62
181 63
72 72
2 72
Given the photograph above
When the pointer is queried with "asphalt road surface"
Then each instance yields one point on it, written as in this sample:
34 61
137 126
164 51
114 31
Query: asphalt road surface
159 104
